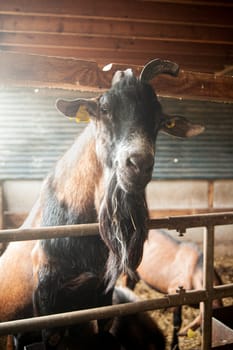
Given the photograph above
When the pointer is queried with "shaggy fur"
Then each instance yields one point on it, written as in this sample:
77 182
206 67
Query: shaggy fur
122 220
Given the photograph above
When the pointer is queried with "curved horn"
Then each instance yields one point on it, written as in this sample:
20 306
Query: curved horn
158 66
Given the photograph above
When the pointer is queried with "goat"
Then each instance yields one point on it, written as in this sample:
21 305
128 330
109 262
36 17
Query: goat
102 177
168 264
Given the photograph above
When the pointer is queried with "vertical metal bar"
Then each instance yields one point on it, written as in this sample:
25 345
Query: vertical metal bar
208 263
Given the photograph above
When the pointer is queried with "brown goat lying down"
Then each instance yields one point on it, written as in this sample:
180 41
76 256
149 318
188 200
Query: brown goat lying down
168 264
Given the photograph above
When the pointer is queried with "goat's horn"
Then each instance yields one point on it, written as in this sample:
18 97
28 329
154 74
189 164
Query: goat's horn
158 66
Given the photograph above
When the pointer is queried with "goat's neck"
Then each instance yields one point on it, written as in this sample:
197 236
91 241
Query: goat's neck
76 182
78 174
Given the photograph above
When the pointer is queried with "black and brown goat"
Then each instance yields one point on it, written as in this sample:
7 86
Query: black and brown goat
168 264
102 177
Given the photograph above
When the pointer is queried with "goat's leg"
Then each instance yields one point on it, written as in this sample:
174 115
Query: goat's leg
177 321
196 323
46 301
46 285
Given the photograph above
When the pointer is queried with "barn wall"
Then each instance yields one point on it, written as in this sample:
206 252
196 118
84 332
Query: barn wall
178 194
161 194
20 195
194 195
33 135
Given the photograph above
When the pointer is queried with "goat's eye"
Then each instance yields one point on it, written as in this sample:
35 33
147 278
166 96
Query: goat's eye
170 124
104 108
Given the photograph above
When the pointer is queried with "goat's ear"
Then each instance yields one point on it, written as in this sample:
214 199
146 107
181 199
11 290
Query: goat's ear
80 108
180 127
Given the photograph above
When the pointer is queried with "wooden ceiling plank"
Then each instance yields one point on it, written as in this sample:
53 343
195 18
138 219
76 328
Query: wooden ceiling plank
200 86
114 44
221 15
227 3
143 30
226 70
189 61
136 31
42 71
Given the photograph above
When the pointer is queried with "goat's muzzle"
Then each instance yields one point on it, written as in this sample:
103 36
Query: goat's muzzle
135 171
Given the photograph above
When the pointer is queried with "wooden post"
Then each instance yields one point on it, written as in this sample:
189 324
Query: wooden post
1 207
210 194
2 244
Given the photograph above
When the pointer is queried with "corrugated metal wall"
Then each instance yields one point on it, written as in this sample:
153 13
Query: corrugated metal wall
207 156
33 135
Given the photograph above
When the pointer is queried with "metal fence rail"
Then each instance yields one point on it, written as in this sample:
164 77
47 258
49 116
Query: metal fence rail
180 223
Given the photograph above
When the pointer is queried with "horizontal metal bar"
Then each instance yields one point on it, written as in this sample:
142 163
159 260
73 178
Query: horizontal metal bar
76 317
25 234
82 316
222 291
180 223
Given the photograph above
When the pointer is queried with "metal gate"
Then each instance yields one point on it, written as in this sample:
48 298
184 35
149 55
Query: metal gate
179 223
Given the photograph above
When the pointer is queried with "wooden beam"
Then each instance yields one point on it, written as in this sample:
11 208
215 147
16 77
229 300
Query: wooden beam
108 43
63 25
170 11
1 207
2 244
197 86
187 61
198 35
115 43
210 194
44 71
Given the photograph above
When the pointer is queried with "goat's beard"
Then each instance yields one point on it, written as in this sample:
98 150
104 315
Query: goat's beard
123 227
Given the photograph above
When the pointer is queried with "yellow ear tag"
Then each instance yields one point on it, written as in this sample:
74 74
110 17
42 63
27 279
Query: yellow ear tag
191 333
82 115
171 124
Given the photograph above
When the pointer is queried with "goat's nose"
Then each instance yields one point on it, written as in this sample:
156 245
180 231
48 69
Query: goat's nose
140 163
